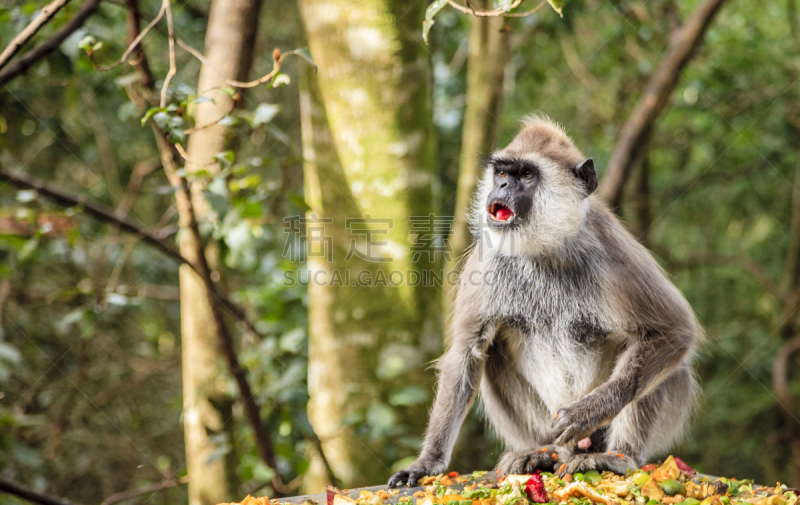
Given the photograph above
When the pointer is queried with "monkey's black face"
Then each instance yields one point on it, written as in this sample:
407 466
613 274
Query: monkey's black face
510 201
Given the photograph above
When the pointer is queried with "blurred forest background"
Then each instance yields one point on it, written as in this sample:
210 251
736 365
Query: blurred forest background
150 351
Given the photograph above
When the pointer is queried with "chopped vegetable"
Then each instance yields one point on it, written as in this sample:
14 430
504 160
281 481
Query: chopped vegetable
672 487
535 490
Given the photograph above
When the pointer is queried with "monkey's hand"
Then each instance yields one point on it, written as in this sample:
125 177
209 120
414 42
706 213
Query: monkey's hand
420 468
574 422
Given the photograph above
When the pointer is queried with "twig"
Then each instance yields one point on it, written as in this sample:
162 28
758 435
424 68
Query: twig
26 493
276 56
132 493
526 13
45 15
22 63
138 40
467 9
189 131
173 69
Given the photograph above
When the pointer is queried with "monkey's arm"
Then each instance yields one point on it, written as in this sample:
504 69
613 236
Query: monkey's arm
460 370
646 362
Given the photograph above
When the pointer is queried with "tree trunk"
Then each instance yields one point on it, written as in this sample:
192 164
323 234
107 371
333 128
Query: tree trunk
229 42
369 150
488 55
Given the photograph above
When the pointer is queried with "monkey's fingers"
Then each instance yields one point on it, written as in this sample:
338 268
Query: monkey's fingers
398 478
413 476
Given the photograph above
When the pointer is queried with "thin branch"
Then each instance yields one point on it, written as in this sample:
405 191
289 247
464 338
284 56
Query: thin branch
22 63
276 56
45 15
173 68
467 9
189 131
138 40
132 493
96 210
108 215
654 100
26 493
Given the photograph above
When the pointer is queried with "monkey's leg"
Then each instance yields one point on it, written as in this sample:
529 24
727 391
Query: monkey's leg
517 413
645 426
460 370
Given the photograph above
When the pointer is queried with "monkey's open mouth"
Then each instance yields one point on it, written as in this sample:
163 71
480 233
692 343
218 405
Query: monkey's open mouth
500 211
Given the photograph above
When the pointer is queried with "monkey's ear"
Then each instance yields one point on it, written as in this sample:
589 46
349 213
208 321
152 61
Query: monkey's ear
585 172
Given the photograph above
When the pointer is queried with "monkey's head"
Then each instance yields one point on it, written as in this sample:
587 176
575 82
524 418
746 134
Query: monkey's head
533 194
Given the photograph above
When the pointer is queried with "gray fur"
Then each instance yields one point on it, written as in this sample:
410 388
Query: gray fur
578 320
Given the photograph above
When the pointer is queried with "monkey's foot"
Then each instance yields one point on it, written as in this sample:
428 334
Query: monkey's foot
617 463
545 458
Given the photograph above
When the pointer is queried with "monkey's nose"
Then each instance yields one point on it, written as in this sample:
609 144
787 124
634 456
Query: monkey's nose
503 184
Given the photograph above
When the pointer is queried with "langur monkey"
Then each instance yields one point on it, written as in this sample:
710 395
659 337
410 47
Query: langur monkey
563 321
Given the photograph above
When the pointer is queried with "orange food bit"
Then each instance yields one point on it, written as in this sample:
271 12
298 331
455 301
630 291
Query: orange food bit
544 449
452 475
620 455
555 415
554 456
561 468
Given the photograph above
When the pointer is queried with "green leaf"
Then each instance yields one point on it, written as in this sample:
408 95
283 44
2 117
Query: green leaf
176 136
203 99
299 202
433 10
304 53
557 6
161 118
225 158
231 92
150 113
219 204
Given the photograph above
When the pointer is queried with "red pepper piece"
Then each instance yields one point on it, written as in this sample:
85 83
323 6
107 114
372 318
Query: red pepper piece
535 489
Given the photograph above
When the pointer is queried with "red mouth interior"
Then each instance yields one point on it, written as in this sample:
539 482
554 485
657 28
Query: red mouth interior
500 212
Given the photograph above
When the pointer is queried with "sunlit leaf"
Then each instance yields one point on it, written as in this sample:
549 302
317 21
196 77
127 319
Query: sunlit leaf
264 113
87 42
430 13
557 6
231 92
150 113
281 80
304 53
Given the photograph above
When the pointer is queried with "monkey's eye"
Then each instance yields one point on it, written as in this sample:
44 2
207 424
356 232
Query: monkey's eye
501 174
527 174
